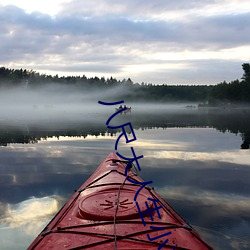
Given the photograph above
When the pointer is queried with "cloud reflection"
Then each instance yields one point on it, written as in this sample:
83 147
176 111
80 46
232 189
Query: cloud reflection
223 156
228 203
29 212
22 222
221 213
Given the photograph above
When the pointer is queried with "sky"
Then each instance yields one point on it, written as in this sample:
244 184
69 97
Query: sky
153 41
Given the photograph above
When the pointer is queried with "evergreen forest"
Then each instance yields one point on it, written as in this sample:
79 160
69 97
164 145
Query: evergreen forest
224 93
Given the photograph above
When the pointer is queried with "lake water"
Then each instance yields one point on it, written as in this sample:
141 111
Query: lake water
198 160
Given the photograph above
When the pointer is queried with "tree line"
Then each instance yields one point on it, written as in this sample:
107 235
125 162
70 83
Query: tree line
236 91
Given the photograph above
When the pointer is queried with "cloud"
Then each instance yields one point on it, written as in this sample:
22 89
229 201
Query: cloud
95 38
116 30
148 10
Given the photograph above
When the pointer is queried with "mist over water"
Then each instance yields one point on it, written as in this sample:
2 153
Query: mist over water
59 107
61 102
55 102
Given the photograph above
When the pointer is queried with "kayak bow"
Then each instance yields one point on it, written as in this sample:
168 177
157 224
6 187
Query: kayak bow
102 214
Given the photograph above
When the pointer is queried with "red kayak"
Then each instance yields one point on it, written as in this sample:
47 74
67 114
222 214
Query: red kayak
114 209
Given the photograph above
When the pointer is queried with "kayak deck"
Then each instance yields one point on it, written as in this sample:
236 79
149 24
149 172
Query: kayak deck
102 213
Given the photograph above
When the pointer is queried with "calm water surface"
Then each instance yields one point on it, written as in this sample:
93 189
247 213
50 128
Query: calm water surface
194 159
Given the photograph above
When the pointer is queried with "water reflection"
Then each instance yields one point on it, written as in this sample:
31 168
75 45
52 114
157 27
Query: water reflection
31 131
198 169
29 210
20 222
